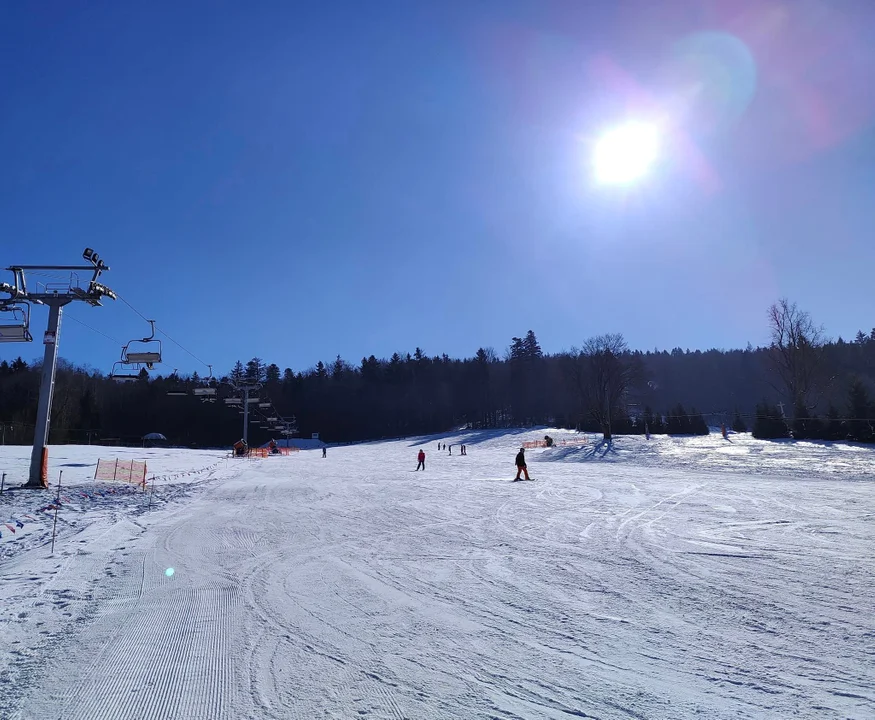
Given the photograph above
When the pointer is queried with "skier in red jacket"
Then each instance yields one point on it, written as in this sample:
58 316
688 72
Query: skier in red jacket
421 459
521 464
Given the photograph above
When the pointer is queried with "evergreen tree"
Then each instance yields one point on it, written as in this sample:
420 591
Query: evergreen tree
531 346
835 428
237 373
338 369
738 424
769 424
679 422
255 371
272 374
806 426
860 412
697 424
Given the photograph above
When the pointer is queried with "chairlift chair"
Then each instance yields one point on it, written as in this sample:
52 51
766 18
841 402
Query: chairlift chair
206 392
17 327
123 372
146 351
177 389
233 401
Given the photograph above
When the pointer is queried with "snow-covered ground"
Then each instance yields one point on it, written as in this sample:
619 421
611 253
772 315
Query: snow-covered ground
674 578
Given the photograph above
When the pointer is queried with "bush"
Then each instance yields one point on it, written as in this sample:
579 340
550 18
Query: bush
805 425
738 423
769 424
835 429
698 426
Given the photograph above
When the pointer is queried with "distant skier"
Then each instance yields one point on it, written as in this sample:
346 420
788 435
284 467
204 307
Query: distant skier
421 459
451 449
324 451
464 450
521 465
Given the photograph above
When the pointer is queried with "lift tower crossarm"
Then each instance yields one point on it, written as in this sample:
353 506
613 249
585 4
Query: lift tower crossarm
13 268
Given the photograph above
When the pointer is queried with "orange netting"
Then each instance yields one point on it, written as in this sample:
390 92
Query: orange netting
265 452
581 440
115 470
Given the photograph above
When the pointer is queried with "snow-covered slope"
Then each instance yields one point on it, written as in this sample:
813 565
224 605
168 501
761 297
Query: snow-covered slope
671 579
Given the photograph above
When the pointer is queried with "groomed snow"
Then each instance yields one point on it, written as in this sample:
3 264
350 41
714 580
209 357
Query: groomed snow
674 578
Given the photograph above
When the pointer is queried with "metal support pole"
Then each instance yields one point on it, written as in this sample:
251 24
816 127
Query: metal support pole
246 416
57 505
38 477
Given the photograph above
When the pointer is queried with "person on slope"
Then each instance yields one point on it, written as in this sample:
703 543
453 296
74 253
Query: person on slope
421 459
324 451
521 465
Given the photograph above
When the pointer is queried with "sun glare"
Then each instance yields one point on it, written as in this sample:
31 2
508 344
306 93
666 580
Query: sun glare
625 153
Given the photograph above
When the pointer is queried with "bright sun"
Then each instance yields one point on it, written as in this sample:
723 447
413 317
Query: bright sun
625 153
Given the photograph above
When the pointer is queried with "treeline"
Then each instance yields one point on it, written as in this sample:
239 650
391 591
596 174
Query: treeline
799 386
854 421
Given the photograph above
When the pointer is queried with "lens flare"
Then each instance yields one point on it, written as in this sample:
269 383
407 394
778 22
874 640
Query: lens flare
625 153
169 572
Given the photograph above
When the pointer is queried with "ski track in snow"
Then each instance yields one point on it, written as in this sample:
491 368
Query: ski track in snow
672 579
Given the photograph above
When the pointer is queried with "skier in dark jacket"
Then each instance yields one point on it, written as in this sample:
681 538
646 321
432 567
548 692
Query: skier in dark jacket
521 464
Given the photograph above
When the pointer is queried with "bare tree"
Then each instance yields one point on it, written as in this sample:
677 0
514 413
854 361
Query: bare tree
795 353
608 374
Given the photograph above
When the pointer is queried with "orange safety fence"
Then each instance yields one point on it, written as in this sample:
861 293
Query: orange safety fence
265 452
581 440
115 470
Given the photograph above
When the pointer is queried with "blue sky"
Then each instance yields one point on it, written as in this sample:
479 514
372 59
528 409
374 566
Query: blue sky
301 180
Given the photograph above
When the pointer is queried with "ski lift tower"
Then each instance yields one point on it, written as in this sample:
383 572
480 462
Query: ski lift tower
55 296
245 389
